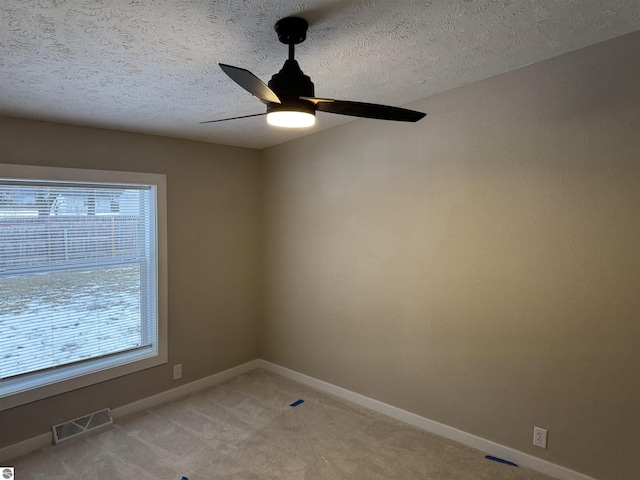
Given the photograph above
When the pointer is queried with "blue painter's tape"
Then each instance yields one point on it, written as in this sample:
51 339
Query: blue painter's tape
500 460
296 403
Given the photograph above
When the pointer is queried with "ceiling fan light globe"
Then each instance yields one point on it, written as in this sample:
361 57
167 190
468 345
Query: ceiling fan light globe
291 119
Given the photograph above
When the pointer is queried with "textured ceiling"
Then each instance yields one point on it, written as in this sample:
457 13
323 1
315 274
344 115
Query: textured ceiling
151 65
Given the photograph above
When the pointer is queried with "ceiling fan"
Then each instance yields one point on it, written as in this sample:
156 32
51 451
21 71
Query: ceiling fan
289 96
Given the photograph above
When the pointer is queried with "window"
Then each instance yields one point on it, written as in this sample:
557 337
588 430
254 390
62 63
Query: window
82 278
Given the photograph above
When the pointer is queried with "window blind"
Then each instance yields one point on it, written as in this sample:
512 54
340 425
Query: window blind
77 272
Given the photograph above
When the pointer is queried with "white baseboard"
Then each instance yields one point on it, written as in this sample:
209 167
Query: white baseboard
423 423
183 390
40 441
492 448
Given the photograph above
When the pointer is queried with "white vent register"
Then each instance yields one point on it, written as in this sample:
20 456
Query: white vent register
82 425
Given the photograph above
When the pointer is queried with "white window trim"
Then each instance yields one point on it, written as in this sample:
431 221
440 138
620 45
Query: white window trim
72 377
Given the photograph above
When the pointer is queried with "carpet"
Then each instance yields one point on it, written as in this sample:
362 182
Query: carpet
245 429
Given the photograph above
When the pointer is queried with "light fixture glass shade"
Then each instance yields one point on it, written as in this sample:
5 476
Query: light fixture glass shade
291 119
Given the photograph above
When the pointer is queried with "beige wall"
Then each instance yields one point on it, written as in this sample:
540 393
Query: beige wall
213 247
480 268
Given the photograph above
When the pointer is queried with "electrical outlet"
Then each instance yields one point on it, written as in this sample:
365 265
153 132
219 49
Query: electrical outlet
539 437
177 371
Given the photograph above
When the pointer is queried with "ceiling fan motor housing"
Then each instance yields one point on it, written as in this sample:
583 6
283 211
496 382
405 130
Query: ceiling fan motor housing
289 85
291 81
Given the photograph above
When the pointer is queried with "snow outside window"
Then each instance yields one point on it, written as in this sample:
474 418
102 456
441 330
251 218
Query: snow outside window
80 297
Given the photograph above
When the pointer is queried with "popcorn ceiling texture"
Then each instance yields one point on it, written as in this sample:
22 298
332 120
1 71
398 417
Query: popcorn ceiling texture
151 65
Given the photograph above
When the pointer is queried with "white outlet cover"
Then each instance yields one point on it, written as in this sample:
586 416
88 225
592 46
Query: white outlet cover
177 371
539 437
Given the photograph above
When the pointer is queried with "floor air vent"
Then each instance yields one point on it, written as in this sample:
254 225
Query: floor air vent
79 426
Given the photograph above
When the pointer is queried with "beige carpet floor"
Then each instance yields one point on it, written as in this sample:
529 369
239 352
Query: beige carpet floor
245 429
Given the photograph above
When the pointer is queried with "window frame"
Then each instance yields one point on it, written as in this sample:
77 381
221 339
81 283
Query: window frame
38 385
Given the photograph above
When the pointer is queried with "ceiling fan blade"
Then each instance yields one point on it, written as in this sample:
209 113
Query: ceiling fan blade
234 118
316 100
250 83
368 110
